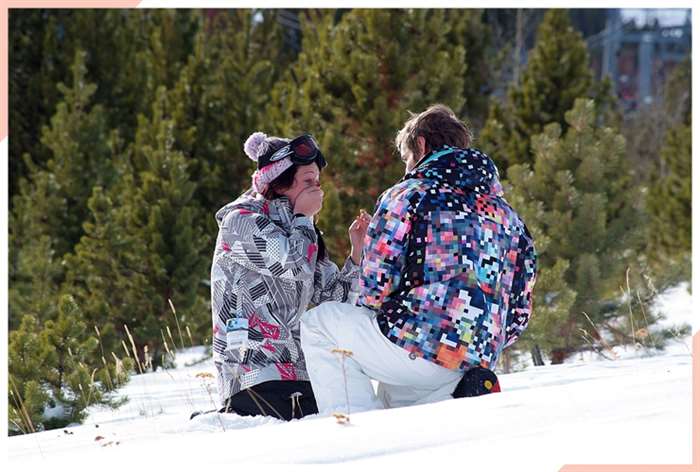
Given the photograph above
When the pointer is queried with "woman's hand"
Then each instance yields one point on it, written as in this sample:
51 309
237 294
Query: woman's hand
357 231
309 201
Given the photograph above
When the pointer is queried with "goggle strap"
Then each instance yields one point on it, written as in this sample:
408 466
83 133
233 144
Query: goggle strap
282 153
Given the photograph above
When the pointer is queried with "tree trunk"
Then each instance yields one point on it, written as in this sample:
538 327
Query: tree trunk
536 355
559 355
157 360
517 52
506 362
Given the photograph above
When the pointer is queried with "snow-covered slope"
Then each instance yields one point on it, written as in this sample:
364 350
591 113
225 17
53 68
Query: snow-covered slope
635 409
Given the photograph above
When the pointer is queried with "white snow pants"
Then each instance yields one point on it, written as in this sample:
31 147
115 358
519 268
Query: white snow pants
403 380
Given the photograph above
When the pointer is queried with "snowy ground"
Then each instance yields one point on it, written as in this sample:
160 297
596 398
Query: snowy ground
636 409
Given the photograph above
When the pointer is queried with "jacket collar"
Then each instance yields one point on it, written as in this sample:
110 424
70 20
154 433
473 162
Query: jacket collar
281 210
464 170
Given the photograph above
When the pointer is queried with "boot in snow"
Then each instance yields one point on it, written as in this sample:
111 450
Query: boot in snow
477 381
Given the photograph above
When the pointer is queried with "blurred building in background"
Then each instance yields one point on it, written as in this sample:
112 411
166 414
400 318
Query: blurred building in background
638 49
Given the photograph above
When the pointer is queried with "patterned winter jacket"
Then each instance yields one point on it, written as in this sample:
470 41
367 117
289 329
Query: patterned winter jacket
449 267
264 275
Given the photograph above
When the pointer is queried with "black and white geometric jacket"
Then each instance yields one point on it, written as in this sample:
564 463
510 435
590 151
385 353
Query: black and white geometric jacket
264 275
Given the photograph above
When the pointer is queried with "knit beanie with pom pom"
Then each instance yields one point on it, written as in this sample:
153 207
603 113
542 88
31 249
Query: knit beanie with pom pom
258 146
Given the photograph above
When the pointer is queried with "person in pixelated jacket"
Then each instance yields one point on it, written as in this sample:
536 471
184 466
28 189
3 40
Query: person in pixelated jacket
447 278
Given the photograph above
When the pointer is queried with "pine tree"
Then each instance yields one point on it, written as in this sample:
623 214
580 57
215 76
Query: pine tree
469 28
80 154
27 358
581 198
34 71
107 272
670 197
557 73
35 275
553 295
140 51
128 55
670 191
646 127
78 141
220 99
57 371
351 86
678 99
48 213
164 216
142 246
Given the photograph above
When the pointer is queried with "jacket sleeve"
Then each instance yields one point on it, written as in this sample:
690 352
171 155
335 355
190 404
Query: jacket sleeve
385 250
331 284
255 242
520 307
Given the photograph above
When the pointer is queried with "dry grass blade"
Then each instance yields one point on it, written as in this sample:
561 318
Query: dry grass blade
92 385
189 335
118 366
147 358
600 336
341 418
343 354
23 411
133 346
99 338
252 393
25 427
109 376
587 338
170 335
167 347
17 425
177 323
211 399
126 350
646 320
629 304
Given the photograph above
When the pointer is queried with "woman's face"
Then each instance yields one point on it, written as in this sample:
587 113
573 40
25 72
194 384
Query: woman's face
307 176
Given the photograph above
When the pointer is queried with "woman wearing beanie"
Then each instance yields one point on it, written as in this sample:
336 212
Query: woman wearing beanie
269 264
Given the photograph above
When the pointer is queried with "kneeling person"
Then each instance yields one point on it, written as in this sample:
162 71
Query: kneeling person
269 264
446 282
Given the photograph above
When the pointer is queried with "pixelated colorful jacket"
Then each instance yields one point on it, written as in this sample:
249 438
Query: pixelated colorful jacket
265 273
449 266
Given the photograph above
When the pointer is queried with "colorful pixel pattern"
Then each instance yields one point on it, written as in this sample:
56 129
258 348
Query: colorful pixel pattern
449 266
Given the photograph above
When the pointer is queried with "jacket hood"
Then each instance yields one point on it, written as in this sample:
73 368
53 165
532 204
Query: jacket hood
246 201
254 202
469 170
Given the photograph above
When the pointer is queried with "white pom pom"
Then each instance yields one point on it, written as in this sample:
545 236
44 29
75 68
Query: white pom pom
255 146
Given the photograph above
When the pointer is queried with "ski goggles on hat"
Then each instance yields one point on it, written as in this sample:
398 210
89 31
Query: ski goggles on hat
301 150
